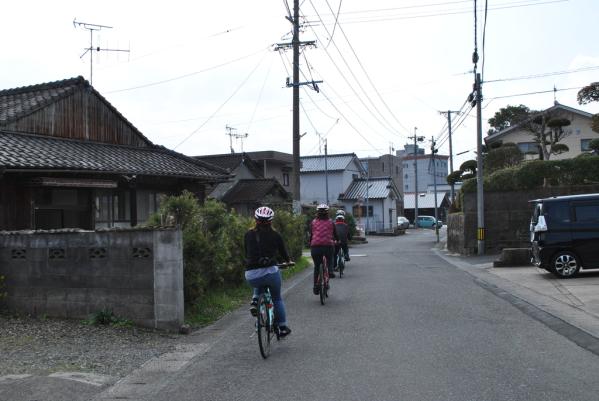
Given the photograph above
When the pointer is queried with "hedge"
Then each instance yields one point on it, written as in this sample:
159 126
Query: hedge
539 173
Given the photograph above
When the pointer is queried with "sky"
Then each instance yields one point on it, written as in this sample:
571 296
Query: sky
189 72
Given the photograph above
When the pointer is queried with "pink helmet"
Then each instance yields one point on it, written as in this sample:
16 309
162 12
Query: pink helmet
264 213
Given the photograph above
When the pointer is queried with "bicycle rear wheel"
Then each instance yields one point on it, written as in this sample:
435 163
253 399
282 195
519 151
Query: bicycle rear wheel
323 287
341 264
263 326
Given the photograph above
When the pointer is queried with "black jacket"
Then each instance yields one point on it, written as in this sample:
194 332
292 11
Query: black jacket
263 248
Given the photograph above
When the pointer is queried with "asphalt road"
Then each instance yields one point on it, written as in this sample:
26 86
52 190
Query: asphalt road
401 325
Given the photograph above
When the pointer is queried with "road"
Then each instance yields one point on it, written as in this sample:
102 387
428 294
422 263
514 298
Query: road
402 324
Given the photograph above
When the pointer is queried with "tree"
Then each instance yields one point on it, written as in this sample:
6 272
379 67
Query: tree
547 129
588 94
507 117
468 169
594 146
507 155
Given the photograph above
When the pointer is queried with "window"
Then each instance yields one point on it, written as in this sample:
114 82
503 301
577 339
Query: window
360 211
587 212
286 179
528 147
584 145
383 167
406 175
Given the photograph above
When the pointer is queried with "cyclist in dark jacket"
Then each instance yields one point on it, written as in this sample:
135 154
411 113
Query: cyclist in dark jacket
263 247
342 230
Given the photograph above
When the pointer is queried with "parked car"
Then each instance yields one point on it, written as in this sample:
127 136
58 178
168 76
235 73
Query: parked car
403 223
429 222
564 233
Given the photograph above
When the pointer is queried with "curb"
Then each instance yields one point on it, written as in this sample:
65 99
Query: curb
572 322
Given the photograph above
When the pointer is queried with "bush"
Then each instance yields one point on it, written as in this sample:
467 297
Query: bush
291 228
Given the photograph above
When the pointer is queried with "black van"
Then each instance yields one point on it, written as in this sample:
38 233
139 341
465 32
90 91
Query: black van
564 233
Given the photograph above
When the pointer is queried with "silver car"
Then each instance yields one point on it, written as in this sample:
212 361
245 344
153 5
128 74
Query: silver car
403 223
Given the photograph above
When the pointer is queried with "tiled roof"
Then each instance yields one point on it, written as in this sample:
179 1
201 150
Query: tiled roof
23 151
378 188
311 164
230 161
17 103
425 201
253 190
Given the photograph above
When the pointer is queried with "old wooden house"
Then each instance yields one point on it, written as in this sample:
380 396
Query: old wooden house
69 159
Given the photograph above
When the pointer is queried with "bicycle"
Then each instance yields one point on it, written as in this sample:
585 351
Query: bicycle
322 281
341 261
265 319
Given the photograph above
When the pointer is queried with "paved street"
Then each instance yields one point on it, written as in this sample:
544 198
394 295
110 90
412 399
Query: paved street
402 324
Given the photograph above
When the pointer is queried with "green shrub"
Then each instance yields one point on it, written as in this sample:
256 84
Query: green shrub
291 228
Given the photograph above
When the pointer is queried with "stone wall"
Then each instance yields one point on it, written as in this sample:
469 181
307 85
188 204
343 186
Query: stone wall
136 273
507 218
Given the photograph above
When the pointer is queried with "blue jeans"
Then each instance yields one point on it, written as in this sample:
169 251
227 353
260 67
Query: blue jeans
273 280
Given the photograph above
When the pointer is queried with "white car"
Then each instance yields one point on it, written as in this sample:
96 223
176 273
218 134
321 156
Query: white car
403 223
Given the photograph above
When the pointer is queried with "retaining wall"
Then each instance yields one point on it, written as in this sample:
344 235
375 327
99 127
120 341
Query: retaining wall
507 218
136 273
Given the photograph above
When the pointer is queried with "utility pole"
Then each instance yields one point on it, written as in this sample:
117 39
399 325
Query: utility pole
434 150
480 202
326 172
91 28
416 140
367 208
452 194
295 45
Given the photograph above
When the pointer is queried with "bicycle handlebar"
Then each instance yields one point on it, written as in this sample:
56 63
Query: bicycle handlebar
285 265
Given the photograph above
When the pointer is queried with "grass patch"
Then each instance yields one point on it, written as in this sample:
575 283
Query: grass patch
220 301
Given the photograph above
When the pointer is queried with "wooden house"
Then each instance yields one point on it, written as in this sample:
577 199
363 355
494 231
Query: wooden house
69 159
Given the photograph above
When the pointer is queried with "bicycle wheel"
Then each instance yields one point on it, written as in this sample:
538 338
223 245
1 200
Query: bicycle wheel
323 287
263 326
341 265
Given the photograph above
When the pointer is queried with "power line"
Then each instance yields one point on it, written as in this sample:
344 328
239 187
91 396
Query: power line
368 77
336 20
389 127
448 12
543 75
535 93
222 105
188 75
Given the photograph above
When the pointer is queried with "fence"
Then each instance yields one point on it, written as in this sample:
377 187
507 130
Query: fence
135 273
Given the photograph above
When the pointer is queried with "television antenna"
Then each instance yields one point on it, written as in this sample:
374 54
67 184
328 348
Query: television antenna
91 28
236 136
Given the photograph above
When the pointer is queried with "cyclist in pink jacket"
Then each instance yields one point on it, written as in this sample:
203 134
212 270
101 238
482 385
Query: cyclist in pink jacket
322 241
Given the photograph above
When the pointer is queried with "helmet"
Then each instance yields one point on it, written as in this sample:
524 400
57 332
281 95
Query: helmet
264 214
340 217
340 212
323 207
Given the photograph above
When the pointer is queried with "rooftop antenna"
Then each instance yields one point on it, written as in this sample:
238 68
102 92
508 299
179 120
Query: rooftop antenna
236 136
91 28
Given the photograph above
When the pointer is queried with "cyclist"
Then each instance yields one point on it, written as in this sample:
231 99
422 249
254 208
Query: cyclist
342 230
262 246
322 240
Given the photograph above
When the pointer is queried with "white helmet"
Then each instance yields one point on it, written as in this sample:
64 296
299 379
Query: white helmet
322 209
264 213
340 212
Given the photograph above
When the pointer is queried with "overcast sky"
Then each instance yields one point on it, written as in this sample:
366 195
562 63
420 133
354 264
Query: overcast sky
196 67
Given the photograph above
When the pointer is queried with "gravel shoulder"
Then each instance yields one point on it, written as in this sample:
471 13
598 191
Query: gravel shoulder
43 346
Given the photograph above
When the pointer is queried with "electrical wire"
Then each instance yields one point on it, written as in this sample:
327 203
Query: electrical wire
535 93
336 20
349 122
223 104
190 74
447 12
389 126
543 75
259 97
368 77
482 69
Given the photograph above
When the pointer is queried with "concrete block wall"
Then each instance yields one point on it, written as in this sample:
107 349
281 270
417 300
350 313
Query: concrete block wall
136 273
